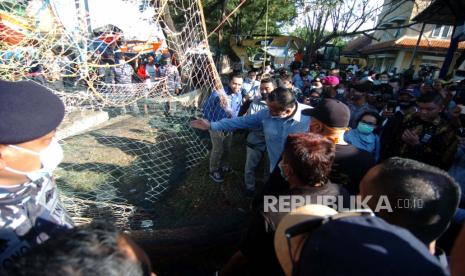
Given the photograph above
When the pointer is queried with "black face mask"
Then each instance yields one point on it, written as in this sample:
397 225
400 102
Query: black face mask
264 96
314 102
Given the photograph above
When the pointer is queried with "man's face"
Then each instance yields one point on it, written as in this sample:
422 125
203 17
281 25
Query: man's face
235 84
266 87
426 89
150 59
287 84
404 98
429 111
21 160
357 95
384 78
253 76
278 111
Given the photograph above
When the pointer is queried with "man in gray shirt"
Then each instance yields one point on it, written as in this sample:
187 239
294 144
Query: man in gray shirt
256 146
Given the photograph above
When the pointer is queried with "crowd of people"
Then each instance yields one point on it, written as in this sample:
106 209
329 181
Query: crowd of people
342 134
377 137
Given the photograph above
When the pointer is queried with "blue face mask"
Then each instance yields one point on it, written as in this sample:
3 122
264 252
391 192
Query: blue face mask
365 128
281 170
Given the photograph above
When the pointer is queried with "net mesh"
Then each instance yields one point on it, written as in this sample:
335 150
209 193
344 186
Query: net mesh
116 170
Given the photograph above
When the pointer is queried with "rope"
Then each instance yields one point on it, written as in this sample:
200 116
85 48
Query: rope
226 18
266 34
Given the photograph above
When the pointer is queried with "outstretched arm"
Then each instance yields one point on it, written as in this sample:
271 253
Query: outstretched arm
251 121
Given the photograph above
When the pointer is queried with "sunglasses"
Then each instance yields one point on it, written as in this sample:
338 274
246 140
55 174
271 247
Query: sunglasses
309 226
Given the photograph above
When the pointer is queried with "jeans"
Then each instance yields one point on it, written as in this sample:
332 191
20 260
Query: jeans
221 146
254 156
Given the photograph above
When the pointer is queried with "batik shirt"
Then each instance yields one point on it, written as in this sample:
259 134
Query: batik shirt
173 80
30 214
438 142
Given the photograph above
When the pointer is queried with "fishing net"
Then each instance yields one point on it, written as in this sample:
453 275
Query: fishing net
125 143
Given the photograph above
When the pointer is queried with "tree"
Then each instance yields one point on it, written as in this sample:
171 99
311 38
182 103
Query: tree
302 32
250 19
325 20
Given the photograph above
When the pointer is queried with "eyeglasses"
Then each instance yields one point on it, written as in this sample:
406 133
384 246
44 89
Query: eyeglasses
309 226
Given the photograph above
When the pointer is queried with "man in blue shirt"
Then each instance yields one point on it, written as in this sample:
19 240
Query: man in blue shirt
251 87
282 117
221 105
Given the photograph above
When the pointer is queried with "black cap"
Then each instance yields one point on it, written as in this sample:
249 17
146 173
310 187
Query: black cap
27 111
330 112
363 87
365 246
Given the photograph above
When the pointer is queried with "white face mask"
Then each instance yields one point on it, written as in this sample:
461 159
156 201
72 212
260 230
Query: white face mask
50 158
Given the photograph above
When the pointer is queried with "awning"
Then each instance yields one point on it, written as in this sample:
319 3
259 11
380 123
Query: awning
280 51
442 12
428 45
141 47
13 29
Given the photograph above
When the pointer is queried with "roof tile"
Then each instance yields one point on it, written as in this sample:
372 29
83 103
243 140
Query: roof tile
410 42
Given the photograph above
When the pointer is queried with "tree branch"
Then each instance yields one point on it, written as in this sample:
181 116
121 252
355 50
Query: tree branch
262 13
208 10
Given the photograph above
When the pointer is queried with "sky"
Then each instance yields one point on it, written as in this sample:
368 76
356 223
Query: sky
123 14
367 25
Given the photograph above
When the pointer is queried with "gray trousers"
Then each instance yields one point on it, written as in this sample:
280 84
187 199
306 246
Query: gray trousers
252 162
221 146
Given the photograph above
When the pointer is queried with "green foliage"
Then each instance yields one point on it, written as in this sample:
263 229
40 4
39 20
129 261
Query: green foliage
304 33
252 51
251 18
301 32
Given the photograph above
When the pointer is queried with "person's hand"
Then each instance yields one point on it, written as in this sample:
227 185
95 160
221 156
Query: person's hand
223 101
201 124
410 137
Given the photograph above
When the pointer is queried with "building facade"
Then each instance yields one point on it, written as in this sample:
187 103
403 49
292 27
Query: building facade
392 49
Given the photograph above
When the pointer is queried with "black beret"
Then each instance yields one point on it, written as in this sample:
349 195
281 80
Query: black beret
27 111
